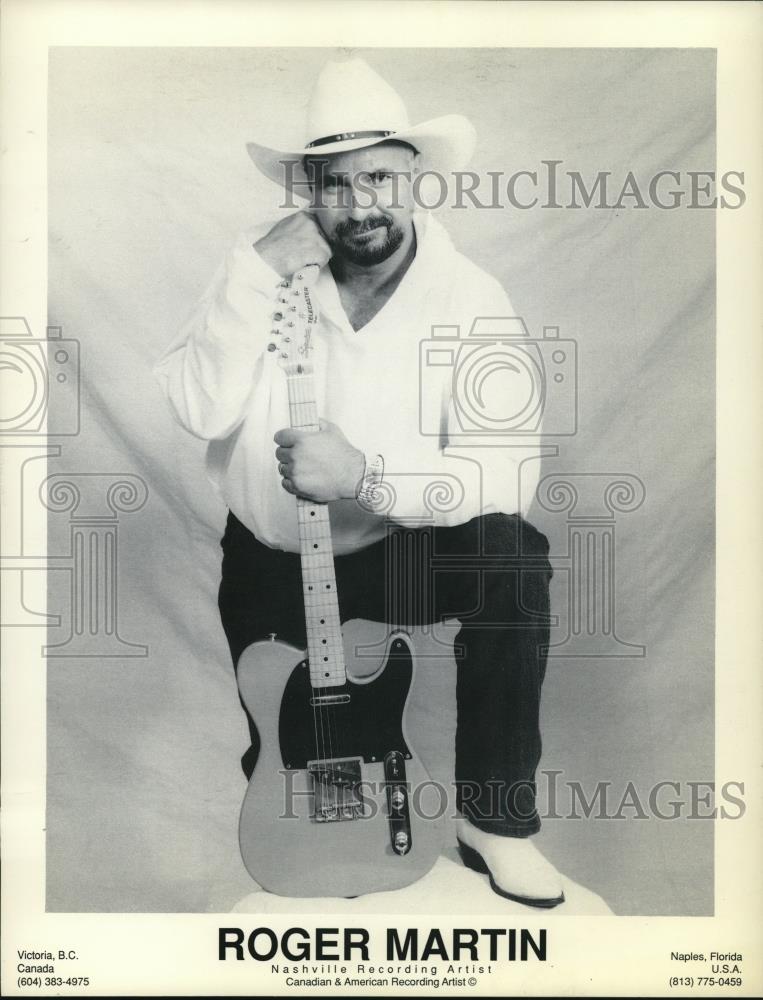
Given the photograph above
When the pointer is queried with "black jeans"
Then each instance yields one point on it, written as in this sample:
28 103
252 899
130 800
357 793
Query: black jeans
491 573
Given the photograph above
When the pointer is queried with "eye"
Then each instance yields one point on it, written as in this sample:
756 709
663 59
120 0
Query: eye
379 177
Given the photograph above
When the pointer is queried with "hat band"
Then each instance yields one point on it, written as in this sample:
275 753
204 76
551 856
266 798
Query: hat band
343 136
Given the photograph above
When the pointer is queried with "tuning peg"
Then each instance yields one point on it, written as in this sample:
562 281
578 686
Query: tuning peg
277 316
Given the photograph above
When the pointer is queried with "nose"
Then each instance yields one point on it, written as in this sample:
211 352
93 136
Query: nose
361 202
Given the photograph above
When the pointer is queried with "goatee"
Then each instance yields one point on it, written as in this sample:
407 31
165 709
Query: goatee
349 240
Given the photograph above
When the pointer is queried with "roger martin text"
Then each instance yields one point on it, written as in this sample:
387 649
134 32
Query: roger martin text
334 944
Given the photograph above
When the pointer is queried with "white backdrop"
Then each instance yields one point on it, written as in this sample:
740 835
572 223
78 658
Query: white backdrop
149 184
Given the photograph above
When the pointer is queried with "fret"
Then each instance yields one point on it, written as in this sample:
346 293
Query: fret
319 566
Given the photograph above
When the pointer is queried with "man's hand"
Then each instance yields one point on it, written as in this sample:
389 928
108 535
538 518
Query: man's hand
293 243
319 465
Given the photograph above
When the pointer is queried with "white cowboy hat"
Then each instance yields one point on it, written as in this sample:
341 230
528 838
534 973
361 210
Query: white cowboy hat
352 107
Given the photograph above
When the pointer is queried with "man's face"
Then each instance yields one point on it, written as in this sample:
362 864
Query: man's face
363 200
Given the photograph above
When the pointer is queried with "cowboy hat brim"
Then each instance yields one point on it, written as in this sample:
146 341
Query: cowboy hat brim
445 144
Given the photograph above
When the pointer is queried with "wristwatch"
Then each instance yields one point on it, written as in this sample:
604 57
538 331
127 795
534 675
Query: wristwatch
368 495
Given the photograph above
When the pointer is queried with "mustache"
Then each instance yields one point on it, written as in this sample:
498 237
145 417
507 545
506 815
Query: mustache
352 228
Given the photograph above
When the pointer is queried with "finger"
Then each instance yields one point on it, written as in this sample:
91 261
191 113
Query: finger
286 438
284 455
288 485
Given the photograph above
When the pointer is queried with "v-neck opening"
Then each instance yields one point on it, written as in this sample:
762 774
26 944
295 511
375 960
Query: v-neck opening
336 300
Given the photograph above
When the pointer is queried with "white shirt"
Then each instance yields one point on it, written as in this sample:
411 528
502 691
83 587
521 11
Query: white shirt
226 387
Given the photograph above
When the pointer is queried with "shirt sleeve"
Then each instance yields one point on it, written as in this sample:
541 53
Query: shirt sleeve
469 473
207 372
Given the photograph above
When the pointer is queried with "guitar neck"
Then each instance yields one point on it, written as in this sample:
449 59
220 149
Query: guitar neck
324 636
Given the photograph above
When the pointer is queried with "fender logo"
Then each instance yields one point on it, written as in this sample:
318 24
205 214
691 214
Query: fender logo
307 346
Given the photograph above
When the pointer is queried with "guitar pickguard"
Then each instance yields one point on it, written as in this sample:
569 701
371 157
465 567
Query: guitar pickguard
355 720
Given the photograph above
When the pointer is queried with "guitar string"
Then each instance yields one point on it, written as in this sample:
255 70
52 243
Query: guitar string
333 632
302 392
292 420
298 400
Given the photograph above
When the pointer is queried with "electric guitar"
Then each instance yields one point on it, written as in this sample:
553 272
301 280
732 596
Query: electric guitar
339 803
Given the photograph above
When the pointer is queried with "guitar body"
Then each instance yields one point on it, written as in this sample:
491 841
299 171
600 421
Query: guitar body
336 782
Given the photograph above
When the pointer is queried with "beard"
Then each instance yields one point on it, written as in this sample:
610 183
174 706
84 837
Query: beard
350 240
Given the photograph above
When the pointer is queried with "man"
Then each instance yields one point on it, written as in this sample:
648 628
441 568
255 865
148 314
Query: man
388 274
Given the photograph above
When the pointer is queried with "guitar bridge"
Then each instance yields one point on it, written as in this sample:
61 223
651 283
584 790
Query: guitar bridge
336 789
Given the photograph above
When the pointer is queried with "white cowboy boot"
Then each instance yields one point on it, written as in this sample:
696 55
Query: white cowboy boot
514 865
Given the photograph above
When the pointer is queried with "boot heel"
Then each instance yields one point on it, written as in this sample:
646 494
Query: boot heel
472 859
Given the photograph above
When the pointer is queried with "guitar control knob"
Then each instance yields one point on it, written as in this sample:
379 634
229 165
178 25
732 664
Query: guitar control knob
272 347
397 799
401 840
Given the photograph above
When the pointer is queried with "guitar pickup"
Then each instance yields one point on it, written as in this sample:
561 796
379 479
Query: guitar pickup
329 699
398 805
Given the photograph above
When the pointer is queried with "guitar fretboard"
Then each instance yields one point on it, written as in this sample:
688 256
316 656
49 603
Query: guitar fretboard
324 636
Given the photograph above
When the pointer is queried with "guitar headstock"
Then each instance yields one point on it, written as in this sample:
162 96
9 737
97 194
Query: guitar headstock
294 321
